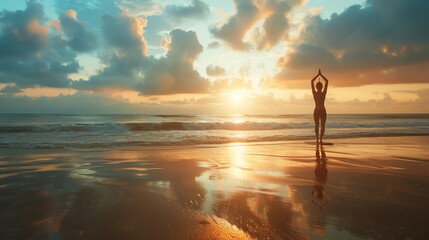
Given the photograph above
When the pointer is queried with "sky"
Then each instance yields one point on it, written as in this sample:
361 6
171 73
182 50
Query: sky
212 57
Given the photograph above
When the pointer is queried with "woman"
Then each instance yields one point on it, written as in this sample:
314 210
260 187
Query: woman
319 111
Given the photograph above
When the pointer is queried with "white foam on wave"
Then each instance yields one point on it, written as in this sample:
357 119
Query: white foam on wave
81 132
201 126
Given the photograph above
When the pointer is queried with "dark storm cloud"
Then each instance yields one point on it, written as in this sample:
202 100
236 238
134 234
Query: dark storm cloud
274 28
197 9
374 37
80 38
175 73
32 54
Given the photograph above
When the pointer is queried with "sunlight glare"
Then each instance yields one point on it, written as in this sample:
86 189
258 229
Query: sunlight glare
238 161
237 97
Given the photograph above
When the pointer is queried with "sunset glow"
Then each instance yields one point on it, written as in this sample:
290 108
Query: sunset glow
237 97
188 56
214 119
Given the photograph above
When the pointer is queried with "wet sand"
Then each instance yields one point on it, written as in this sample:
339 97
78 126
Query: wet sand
371 188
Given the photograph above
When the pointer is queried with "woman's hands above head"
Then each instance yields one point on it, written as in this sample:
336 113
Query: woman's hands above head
320 74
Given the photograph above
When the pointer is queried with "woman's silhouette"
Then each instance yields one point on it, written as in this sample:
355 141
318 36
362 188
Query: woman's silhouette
319 96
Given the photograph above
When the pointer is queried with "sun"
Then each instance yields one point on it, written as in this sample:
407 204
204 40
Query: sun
237 97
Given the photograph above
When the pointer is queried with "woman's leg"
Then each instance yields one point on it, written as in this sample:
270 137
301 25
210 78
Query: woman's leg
323 122
316 124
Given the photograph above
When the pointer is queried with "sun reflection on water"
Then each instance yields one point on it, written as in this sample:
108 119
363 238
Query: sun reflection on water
238 161
237 119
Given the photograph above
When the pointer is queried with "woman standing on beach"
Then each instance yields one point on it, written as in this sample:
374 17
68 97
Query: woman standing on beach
319 96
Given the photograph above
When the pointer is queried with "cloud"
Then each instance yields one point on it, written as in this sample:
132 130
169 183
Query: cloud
175 73
129 68
258 102
215 70
124 34
422 96
90 11
157 27
377 38
233 31
160 21
86 102
276 24
197 9
11 89
127 65
273 14
386 104
32 53
230 84
80 38
142 8
213 44
80 102
22 32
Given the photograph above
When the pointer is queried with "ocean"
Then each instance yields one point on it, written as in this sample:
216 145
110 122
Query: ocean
54 131
104 177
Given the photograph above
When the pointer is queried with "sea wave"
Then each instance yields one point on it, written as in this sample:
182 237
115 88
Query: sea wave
196 140
202 126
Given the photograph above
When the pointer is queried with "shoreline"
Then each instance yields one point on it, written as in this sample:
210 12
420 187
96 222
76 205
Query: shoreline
337 140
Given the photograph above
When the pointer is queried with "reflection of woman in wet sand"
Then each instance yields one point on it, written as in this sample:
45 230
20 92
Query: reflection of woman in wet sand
319 195
319 99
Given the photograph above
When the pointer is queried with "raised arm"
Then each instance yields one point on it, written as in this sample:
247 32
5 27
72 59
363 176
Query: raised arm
325 89
312 82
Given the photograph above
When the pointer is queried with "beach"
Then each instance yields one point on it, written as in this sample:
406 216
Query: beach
198 119
376 188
